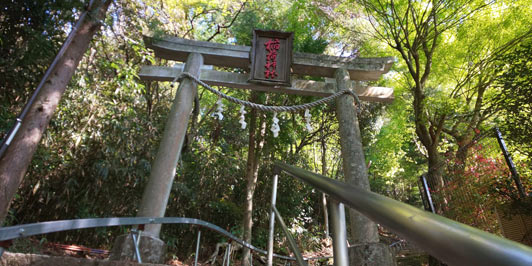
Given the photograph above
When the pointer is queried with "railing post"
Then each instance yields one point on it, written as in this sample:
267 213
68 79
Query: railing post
228 254
339 233
136 241
197 248
427 194
225 255
291 241
272 218
510 164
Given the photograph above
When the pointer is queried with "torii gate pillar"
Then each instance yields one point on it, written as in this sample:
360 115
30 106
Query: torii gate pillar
366 249
156 194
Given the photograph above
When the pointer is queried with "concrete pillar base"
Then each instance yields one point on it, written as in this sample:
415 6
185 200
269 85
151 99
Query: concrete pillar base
152 249
371 254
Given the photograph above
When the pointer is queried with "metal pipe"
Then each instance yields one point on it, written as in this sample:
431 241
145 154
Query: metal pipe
339 233
272 219
139 237
325 214
26 230
450 241
135 243
291 241
427 194
228 254
1 251
510 163
251 258
197 248
225 256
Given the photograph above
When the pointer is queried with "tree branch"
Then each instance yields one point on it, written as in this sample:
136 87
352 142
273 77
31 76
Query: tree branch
218 27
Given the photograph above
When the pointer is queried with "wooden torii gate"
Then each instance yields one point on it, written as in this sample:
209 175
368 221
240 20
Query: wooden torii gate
341 73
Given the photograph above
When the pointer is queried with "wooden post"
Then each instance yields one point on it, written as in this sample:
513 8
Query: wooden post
364 233
156 193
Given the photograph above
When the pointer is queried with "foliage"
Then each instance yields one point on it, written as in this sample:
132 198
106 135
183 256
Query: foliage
31 33
394 168
96 156
472 192
514 96
469 197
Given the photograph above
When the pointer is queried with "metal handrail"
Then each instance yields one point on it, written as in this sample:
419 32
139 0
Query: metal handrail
13 232
450 241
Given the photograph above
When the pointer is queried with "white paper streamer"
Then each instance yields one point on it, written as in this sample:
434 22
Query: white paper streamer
275 126
242 120
219 109
308 116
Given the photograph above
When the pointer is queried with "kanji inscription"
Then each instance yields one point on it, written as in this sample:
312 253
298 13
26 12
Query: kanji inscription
271 57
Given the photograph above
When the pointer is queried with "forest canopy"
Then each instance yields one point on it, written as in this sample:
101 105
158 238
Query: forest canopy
462 68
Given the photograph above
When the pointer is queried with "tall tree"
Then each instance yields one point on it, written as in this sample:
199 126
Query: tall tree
257 131
420 32
18 156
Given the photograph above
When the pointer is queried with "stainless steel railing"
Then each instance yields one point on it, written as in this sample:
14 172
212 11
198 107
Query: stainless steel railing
26 230
450 241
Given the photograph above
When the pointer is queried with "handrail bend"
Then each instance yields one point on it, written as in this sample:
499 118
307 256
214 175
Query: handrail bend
450 241
13 232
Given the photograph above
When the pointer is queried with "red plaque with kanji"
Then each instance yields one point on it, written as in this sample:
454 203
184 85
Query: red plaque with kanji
271 57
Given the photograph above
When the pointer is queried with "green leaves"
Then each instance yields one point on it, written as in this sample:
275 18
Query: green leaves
514 96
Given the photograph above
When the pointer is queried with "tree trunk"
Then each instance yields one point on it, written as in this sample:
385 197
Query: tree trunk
464 144
18 156
256 142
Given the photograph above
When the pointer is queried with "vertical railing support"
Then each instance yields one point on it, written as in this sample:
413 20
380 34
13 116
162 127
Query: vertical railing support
272 218
197 248
428 195
136 242
325 214
510 163
227 255
251 258
291 241
339 233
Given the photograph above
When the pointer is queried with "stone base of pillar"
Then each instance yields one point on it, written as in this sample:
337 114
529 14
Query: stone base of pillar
372 254
152 249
